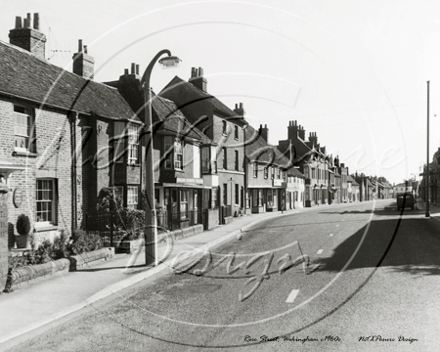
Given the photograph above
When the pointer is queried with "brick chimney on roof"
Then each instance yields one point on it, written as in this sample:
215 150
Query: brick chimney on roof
264 132
313 138
28 38
239 110
197 79
83 63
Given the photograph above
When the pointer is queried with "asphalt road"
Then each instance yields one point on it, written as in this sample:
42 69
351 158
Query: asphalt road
352 278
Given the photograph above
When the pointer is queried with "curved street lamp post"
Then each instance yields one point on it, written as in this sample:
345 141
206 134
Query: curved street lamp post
150 228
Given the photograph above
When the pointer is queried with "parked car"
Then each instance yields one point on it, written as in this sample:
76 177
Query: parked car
405 200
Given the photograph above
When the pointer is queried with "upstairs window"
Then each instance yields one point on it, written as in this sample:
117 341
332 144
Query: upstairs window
255 169
236 160
236 132
224 127
279 174
133 144
206 160
173 153
272 169
22 129
178 155
168 146
225 159
266 172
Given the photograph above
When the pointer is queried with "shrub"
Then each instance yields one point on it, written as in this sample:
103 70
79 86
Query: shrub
61 246
132 221
23 224
43 254
83 242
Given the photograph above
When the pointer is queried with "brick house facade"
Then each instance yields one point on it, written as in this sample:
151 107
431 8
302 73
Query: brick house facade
57 130
224 127
185 176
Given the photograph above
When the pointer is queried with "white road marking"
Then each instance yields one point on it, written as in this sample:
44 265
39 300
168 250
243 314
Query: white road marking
320 251
331 235
292 296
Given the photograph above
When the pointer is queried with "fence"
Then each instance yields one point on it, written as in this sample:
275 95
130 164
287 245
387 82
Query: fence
104 224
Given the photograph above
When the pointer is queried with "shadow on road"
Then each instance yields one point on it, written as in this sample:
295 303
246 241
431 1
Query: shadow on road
390 209
402 245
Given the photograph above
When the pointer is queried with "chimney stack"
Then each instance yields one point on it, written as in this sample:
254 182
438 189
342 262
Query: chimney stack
239 110
83 63
292 130
197 79
264 132
313 138
28 38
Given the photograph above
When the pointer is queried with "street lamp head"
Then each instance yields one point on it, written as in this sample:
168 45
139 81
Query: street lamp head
170 61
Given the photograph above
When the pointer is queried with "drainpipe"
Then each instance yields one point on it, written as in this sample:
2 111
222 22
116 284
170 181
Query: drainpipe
72 117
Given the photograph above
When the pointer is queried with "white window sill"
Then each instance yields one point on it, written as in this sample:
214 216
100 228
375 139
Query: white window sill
44 226
23 152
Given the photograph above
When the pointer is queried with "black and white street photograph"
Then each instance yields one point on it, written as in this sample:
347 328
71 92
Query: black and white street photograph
219 175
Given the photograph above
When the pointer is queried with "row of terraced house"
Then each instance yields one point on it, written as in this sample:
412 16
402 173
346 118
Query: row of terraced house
65 138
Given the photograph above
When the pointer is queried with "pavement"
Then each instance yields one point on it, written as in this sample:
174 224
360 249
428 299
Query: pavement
28 309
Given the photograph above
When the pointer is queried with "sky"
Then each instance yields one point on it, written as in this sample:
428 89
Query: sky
354 72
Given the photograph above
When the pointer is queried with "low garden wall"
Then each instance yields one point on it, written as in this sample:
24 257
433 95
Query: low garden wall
189 231
28 274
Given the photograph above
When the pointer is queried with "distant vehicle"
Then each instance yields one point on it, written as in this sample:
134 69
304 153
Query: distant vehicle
405 200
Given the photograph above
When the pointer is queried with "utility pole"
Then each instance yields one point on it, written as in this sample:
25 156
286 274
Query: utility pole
427 161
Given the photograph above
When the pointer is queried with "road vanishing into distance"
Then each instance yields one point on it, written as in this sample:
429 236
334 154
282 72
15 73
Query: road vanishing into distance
354 277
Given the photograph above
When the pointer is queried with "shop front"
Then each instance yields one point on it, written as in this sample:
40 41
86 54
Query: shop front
179 205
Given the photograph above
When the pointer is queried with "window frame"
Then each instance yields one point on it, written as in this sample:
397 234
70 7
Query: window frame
132 197
168 152
178 154
133 144
225 158
53 201
21 111
236 161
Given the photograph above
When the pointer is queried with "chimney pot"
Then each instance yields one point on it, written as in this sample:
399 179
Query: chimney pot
200 72
193 72
133 68
36 21
80 45
126 71
85 49
29 20
25 23
241 105
18 22
137 69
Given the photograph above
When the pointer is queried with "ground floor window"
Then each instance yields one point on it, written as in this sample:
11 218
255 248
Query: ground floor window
183 203
214 198
248 199
133 197
225 194
46 198
237 194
